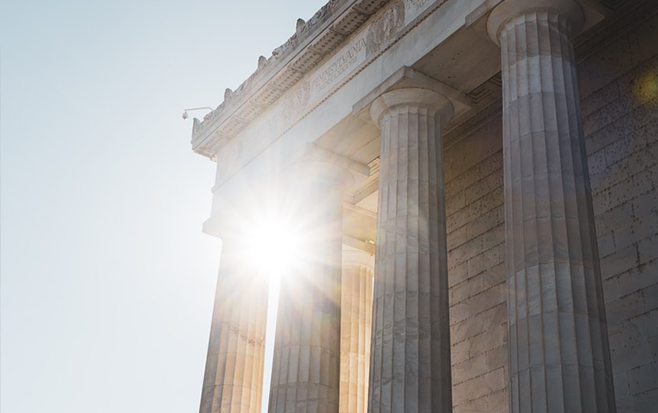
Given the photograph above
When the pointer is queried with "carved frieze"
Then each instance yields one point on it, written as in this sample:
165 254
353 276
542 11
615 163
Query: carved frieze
385 27
310 91
333 70
296 102
207 130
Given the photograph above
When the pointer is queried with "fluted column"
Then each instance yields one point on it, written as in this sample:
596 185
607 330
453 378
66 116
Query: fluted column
410 359
233 379
356 317
559 357
305 369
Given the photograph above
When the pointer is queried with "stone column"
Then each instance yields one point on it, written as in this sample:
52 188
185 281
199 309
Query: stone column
559 357
410 359
356 317
305 370
233 381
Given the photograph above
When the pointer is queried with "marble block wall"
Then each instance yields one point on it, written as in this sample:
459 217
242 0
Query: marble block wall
619 91
476 270
619 96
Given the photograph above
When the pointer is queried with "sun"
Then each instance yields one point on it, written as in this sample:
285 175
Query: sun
274 246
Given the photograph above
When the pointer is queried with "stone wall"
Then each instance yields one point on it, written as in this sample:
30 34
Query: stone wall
619 95
619 98
476 270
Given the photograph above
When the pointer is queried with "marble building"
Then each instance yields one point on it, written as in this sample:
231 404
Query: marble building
491 164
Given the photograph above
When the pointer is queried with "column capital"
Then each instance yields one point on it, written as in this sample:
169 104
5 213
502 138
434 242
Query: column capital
411 96
509 9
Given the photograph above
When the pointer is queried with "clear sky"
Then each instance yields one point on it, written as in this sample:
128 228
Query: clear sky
107 282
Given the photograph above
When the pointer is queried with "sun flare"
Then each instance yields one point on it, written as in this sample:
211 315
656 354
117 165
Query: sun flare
274 246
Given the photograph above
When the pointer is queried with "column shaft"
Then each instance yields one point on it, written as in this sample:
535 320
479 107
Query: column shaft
356 324
233 380
410 360
305 370
559 356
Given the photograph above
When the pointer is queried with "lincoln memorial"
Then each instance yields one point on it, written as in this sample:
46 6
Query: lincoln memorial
469 195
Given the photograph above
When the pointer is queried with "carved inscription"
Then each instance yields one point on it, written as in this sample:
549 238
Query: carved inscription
298 101
339 65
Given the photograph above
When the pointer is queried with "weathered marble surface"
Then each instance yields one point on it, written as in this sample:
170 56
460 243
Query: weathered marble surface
305 369
355 330
411 334
233 380
559 355
619 105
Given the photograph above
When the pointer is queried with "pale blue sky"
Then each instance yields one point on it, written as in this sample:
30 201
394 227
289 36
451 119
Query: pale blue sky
106 279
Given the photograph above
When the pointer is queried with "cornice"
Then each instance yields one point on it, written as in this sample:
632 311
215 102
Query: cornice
311 43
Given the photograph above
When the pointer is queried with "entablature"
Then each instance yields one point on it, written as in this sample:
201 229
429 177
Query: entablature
312 42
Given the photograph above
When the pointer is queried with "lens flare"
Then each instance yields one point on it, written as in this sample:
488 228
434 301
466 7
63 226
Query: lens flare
273 246
645 88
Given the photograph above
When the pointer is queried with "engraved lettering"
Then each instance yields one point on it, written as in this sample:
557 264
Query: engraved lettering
338 67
